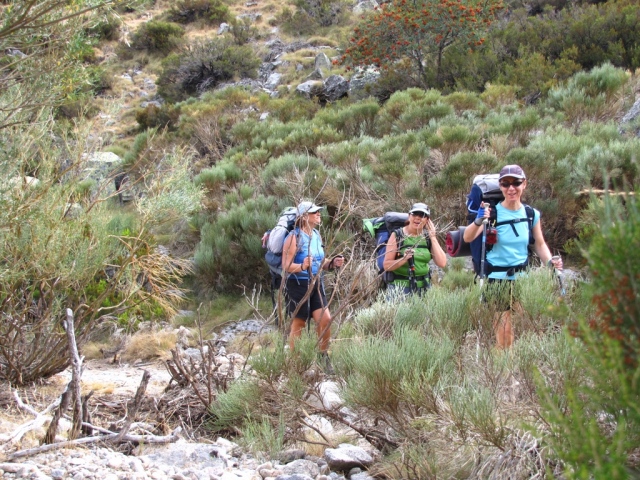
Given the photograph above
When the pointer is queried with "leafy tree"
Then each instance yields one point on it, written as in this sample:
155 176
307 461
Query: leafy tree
418 32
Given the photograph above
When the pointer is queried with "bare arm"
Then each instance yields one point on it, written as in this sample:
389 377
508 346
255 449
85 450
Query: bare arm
437 253
542 249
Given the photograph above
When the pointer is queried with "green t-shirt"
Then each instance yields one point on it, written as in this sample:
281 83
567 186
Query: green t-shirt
421 255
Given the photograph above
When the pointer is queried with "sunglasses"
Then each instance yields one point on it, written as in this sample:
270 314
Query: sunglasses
419 214
516 184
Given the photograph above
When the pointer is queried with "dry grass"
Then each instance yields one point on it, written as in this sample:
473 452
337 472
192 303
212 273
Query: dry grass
150 345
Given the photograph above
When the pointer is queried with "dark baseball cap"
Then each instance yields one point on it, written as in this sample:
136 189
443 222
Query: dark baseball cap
514 171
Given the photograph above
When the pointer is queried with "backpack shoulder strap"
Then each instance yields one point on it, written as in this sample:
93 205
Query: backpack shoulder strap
399 237
530 217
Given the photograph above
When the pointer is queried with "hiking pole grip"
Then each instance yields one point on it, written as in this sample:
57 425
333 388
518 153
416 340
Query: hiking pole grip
412 274
559 275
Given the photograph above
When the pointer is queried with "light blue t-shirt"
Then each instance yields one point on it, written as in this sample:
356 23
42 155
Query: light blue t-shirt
511 249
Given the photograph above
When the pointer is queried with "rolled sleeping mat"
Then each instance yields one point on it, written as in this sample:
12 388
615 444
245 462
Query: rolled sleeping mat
456 246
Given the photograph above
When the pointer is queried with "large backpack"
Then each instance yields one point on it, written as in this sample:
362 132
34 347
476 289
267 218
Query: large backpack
381 229
485 189
273 240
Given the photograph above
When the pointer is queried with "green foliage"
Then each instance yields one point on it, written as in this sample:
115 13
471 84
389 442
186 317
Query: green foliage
614 266
242 30
376 370
262 437
157 37
235 234
102 264
205 65
106 27
188 11
302 170
152 116
595 424
232 408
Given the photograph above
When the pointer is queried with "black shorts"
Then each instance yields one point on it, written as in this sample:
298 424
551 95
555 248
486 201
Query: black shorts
296 291
500 294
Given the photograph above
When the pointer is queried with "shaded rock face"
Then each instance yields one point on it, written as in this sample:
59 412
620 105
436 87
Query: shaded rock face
361 82
335 88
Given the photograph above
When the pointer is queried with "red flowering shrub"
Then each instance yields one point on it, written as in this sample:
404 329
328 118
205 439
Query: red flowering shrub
420 31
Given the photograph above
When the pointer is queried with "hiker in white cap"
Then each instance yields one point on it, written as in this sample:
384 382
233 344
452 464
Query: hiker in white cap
303 260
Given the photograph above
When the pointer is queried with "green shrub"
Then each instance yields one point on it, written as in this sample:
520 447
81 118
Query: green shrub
152 116
298 22
286 173
204 66
586 94
242 30
351 120
235 234
614 264
107 27
188 11
157 37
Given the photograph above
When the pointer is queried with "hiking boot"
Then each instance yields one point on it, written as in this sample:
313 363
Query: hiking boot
325 363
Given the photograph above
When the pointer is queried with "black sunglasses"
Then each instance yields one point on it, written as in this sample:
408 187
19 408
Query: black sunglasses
516 184
419 214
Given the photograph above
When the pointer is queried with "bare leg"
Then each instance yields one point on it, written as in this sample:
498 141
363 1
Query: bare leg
297 325
503 328
322 317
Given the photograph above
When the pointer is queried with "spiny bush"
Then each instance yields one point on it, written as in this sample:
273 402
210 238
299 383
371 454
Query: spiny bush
157 37
203 66
106 27
351 120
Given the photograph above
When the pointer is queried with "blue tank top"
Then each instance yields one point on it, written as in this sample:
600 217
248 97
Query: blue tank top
307 245
511 250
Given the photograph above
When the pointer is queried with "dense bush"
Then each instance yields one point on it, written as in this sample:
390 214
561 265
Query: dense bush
157 37
153 116
187 11
203 66
230 251
64 246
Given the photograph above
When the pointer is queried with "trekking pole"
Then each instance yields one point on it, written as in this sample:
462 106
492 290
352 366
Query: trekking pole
310 270
559 276
412 275
484 247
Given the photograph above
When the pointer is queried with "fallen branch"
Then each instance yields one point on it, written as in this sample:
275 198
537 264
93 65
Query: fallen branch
148 439
41 419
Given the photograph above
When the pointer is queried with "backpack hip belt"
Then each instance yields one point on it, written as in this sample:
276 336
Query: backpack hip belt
511 270
421 280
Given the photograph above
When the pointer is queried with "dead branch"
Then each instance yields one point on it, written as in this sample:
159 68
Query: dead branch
76 374
133 406
148 439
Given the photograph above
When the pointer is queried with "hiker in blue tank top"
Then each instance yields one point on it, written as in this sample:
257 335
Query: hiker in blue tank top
302 255
509 256
409 251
